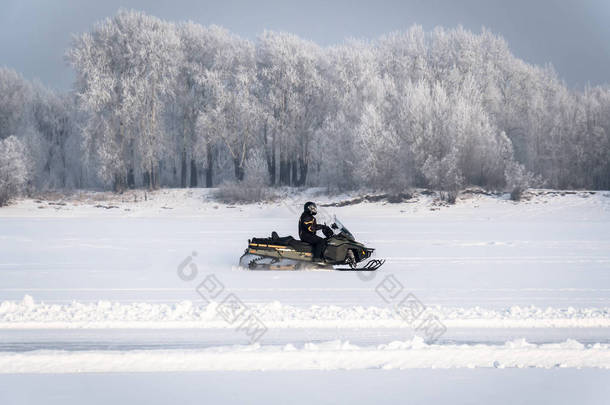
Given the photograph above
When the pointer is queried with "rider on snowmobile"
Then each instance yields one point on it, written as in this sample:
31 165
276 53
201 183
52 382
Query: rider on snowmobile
308 228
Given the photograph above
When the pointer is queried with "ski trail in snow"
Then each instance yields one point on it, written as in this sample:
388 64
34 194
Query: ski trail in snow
333 355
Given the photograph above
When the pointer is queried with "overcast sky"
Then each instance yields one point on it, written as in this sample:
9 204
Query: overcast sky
572 35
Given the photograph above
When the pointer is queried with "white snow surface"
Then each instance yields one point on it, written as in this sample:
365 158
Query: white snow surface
522 284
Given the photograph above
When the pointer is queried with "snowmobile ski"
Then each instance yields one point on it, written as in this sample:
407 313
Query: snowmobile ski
371 265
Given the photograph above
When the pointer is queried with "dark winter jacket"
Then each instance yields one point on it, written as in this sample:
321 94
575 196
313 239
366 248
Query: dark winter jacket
308 225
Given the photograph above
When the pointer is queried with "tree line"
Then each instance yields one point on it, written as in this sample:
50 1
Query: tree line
163 104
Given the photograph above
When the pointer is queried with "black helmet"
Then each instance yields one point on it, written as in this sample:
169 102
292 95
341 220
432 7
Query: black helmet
310 207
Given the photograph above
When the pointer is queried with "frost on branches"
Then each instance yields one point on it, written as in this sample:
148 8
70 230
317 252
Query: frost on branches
162 104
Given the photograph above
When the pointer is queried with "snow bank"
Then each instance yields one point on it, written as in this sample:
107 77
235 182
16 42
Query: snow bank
200 202
28 314
334 355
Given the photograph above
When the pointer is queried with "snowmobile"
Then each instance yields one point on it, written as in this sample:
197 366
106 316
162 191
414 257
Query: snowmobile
288 253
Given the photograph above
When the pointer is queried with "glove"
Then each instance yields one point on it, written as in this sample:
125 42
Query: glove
328 232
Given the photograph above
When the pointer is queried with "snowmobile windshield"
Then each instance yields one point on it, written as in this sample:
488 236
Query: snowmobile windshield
343 230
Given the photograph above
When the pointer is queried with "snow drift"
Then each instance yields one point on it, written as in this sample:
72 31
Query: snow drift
28 314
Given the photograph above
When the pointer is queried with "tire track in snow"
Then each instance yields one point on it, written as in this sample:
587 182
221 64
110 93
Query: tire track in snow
333 355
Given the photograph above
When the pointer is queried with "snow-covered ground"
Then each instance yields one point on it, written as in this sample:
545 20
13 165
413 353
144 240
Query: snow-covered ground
91 283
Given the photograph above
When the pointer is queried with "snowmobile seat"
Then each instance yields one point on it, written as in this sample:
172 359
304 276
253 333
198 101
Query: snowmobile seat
275 239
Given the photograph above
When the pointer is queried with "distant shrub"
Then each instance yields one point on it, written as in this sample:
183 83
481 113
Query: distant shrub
449 196
516 193
518 179
399 197
243 193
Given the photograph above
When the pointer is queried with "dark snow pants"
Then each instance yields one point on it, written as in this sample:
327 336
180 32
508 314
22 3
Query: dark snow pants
318 245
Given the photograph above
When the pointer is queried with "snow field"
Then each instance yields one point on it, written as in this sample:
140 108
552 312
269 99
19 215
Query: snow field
88 289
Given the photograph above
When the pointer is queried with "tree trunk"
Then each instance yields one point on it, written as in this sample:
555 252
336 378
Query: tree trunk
131 181
146 179
271 170
273 159
284 172
193 173
293 165
183 170
209 173
157 178
63 162
282 179
119 183
270 155
152 177
239 170
303 175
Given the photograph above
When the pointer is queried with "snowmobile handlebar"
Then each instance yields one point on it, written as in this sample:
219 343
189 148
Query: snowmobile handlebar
328 232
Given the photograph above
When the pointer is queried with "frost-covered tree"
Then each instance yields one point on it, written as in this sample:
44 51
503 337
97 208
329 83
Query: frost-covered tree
292 93
234 115
353 92
194 99
41 120
14 168
54 124
126 67
15 100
